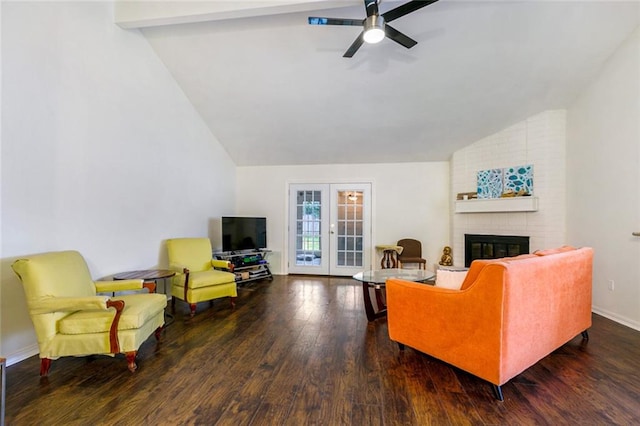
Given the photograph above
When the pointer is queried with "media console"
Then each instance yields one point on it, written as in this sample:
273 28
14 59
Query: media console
248 265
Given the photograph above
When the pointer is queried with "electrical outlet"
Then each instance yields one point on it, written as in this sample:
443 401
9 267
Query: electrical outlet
610 285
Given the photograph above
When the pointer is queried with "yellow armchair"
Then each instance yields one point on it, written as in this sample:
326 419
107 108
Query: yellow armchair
197 279
71 319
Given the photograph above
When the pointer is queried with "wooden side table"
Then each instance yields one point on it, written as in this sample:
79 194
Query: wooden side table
389 256
147 275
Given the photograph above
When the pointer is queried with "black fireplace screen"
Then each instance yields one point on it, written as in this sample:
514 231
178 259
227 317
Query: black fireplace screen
493 247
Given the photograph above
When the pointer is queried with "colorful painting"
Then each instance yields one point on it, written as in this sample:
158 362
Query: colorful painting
518 179
490 183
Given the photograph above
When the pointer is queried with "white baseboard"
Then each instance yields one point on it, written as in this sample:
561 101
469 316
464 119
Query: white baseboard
22 354
617 318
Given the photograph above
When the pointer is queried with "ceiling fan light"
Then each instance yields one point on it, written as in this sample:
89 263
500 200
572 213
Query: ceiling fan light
374 29
374 35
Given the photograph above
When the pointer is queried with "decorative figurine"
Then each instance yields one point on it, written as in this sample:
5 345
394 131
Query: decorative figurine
446 259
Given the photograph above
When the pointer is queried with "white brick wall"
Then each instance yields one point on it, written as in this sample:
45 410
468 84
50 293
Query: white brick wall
540 140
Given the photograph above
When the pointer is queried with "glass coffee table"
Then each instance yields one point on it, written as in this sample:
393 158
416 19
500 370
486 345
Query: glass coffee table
374 281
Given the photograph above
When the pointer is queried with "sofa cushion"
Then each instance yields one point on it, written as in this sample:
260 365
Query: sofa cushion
138 309
209 278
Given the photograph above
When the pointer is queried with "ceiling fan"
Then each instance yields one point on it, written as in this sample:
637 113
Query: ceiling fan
375 26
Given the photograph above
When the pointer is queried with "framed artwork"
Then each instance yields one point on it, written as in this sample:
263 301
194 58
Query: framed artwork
490 183
493 183
518 179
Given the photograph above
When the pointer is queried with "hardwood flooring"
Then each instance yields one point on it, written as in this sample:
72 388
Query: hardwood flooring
300 351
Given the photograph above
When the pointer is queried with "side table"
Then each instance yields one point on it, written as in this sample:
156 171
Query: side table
389 256
147 275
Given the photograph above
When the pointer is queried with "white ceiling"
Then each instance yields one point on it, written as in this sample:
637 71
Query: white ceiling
275 90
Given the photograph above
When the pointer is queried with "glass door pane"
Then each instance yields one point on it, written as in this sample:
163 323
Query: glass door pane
308 229
350 228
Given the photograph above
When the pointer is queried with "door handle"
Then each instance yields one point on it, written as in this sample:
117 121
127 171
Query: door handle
636 234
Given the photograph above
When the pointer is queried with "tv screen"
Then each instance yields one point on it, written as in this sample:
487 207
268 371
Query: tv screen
243 233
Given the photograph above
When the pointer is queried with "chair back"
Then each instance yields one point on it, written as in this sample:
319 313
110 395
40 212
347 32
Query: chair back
194 254
55 274
410 248
48 276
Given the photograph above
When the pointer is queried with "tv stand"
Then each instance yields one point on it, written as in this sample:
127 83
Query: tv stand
247 265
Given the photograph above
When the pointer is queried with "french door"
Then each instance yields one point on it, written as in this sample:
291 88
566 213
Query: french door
329 228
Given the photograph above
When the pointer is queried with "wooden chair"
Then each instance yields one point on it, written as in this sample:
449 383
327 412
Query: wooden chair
411 253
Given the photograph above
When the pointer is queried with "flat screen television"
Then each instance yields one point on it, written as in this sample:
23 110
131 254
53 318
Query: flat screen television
244 233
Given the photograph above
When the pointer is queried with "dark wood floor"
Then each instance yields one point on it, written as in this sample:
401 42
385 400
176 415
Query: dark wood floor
299 350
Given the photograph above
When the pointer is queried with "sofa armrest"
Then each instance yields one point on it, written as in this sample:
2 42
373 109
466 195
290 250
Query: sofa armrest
118 285
114 343
460 327
221 264
62 304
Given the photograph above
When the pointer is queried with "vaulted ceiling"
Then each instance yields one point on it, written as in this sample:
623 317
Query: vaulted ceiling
275 90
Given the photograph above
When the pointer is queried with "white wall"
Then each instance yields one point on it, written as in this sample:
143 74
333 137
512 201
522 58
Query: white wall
101 150
1 256
603 188
409 200
540 140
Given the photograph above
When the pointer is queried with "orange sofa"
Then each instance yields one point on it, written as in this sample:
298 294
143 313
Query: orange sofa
508 314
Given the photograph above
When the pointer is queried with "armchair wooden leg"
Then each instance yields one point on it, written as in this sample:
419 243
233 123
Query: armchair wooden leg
158 333
45 364
233 302
131 360
192 307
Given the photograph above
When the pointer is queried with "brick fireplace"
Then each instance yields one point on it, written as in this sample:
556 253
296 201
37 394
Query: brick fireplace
540 141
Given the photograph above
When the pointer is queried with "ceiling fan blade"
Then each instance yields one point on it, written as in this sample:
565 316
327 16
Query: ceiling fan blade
406 8
371 6
313 20
354 46
398 37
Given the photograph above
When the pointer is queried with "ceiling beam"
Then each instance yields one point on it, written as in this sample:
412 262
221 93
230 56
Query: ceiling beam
141 13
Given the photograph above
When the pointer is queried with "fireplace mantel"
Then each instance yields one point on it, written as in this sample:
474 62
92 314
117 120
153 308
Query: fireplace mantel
498 205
